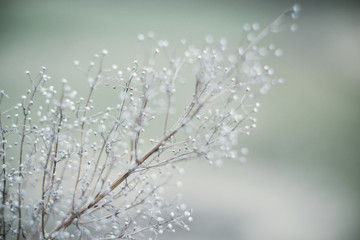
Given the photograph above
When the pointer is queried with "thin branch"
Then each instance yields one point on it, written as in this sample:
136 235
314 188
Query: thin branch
92 88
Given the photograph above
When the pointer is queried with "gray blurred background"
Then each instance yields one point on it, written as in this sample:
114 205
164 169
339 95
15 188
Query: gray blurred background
301 180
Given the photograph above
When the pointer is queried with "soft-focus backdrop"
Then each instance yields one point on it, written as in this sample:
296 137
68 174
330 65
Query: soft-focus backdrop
301 180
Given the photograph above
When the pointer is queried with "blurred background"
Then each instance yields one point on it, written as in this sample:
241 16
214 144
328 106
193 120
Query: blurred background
301 178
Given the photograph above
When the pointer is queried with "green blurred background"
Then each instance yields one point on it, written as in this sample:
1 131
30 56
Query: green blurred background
301 180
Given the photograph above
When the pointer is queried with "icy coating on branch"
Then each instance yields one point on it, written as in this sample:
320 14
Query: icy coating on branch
71 170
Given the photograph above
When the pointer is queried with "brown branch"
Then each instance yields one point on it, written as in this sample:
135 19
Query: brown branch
26 114
56 136
92 88
4 195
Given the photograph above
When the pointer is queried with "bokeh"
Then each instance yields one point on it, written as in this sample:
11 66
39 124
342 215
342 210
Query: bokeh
301 177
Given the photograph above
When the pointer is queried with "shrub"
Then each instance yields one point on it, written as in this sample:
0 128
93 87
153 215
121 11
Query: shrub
72 170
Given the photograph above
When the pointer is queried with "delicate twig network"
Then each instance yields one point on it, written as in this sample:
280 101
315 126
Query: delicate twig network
71 169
